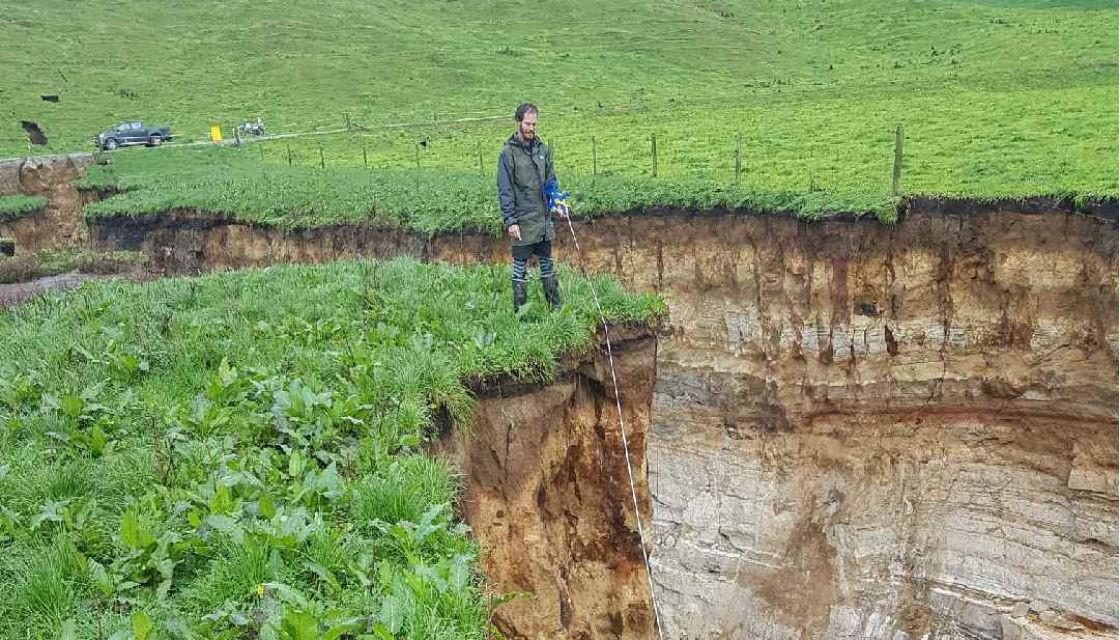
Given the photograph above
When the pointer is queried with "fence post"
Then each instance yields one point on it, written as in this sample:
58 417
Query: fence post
322 162
812 176
896 174
289 153
653 151
365 156
481 170
348 128
260 147
417 155
738 157
594 158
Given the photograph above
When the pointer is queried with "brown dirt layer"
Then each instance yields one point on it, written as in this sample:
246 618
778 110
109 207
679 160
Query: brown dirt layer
547 497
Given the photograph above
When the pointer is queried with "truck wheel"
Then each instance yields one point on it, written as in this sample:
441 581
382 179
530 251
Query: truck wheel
154 141
111 144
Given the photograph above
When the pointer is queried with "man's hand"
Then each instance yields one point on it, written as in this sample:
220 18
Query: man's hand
561 210
515 232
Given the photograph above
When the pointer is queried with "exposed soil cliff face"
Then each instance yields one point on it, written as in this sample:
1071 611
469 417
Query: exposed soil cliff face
858 430
866 431
547 496
60 224
184 242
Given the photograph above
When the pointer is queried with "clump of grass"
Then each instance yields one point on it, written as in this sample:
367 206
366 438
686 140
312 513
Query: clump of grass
18 206
42 586
397 492
243 451
235 573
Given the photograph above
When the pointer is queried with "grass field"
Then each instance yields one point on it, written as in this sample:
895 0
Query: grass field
239 455
996 98
960 142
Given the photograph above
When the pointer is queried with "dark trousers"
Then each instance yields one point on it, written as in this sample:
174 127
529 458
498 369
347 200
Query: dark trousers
521 255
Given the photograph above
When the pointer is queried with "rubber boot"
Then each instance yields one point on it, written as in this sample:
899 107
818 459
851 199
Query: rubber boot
551 291
520 292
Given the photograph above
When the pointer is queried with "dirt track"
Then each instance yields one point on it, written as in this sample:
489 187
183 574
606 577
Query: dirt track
20 292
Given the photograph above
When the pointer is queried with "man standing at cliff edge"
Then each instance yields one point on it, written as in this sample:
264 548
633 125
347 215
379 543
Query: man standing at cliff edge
526 192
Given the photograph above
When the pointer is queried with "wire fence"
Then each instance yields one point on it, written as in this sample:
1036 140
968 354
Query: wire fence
725 159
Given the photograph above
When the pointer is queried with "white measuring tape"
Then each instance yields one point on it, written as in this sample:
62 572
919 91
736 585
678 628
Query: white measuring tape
622 428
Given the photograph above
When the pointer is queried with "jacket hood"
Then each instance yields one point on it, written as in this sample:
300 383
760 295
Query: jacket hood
514 141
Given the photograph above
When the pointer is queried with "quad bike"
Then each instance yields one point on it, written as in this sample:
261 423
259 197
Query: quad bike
254 128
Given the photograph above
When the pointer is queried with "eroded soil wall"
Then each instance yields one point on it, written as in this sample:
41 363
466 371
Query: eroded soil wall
858 430
547 497
864 431
867 432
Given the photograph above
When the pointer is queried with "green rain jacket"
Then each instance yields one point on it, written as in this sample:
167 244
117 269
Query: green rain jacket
523 168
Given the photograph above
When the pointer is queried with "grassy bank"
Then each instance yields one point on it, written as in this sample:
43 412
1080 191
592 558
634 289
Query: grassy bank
18 206
235 182
238 454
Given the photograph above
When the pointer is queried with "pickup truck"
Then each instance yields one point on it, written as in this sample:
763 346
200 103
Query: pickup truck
132 133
